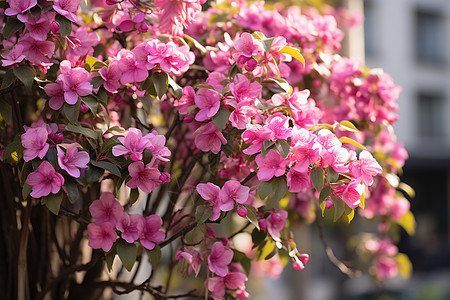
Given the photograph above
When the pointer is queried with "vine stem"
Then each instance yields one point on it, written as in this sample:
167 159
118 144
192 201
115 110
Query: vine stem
22 273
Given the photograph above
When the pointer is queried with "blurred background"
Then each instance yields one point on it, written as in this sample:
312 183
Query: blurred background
408 39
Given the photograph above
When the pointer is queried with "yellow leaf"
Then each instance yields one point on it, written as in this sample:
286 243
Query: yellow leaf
348 126
15 156
408 223
91 60
349 214
404 265
293 52
323 206
409 190
362 198
348 140
196 43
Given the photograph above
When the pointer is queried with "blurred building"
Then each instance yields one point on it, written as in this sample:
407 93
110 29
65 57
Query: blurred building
410 39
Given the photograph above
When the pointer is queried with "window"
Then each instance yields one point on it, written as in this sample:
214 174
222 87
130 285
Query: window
429 37
431 115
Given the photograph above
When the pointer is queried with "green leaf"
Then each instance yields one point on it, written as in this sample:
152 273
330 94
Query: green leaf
109 257
26 190
350 141
293 52
338 205
241 258
279 186
110 167
221 118
26 75
264 189
404 265
282 83
161 82
97 82
65 26
202 213
267 44
154 256
12 27
234 69
127 254
317 178
325 193
6 112
176 88
93 173
265 249
53 202
12 148
252 216
282 147
8 79
258 236
134 195
72 111
348 126
71 188
332 175
52 157
91 102
82 130
109 143
408 222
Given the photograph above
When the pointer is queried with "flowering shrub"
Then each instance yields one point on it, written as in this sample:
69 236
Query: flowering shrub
153 123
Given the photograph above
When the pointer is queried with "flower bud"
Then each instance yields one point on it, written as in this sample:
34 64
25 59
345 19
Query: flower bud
242 212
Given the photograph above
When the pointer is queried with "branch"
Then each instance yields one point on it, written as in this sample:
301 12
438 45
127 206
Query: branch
341 266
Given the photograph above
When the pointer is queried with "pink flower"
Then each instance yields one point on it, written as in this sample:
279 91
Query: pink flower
186 101
158 51
111 76
106 209
151 233
245 45
19 7
255 135
365 168
44 180
210 192
73 160
175 15
209 138
132 144
56 94
219 259
297 180
37 51
231 192
350 193
132 70
87 41
156 146
232 281
243 90
74 82
67 8
14 56
278 126
386 267
131 226
192 257
101 236
276 222
145 178
38 27
34 140
208 101
306 150
271 165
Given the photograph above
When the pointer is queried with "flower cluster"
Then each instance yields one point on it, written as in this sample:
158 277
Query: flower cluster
238 120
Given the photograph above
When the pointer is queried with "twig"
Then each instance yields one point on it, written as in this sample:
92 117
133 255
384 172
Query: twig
341 266
239 231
